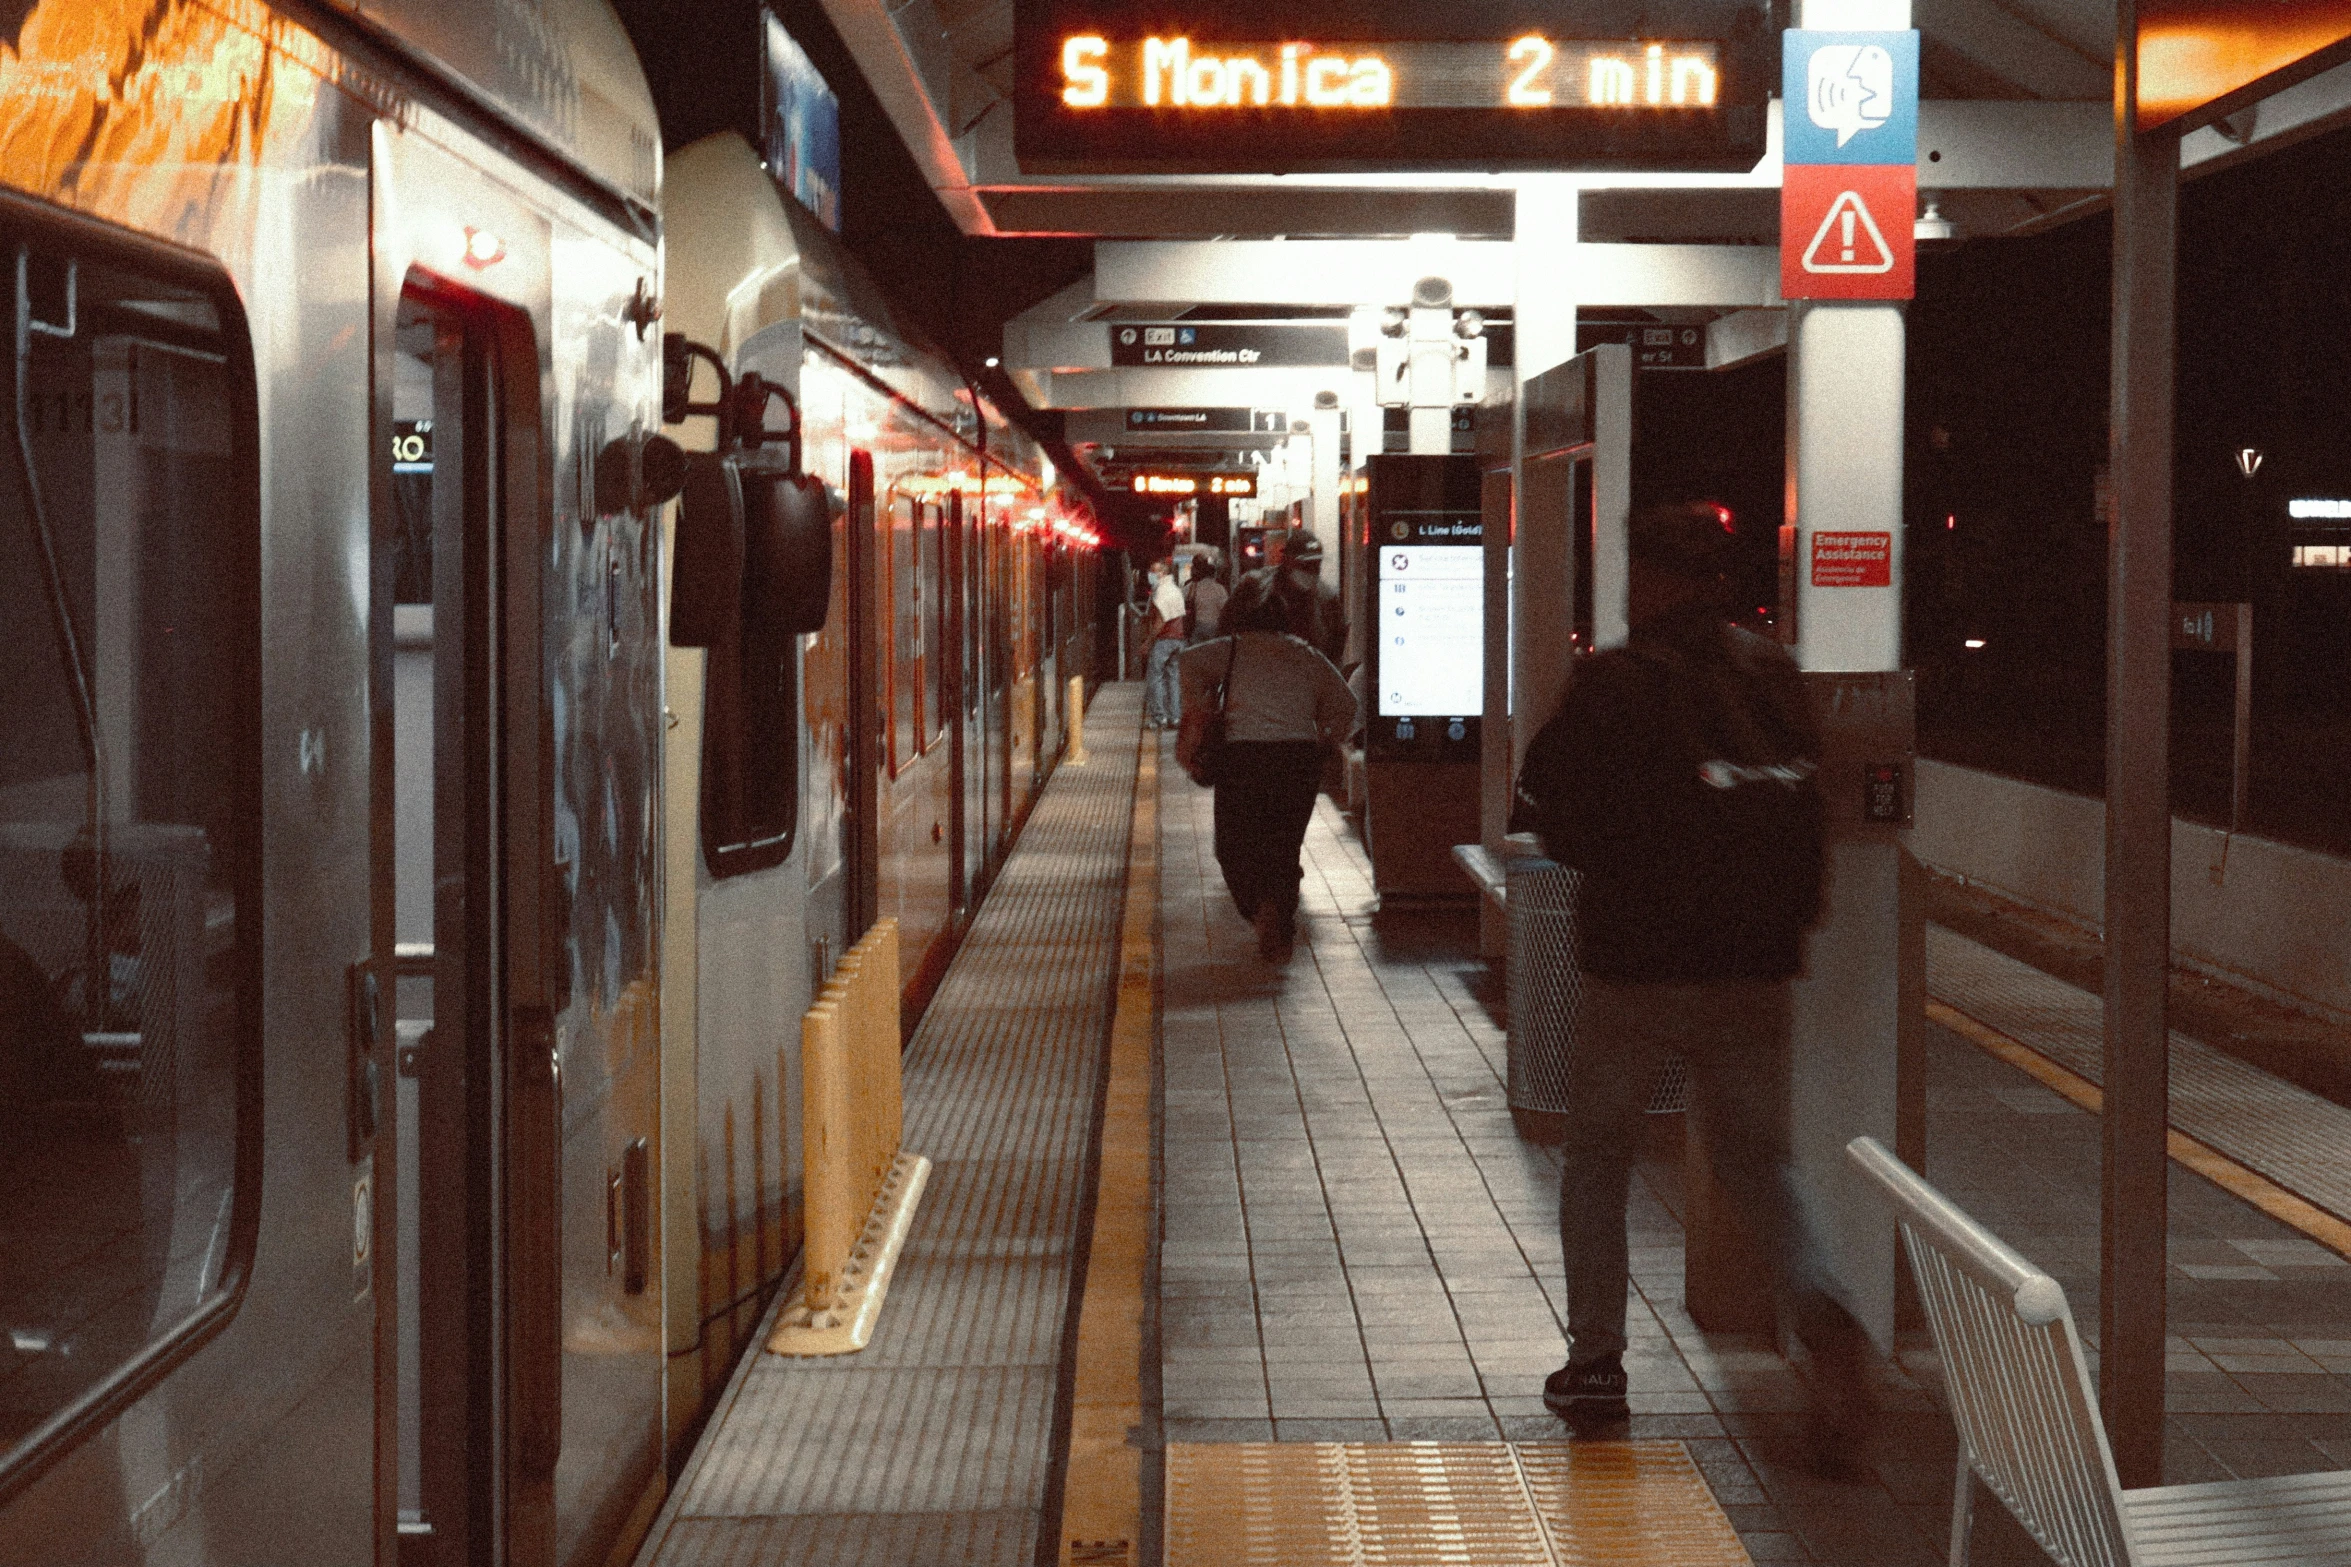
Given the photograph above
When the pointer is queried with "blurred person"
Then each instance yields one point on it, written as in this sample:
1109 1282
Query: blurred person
1678 778
1312 605
1162 695
1204 602
1282 705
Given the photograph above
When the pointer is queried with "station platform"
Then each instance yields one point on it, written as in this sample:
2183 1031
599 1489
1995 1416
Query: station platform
1332 1342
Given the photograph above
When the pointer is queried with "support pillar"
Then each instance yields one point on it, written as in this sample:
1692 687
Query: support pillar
1846 385
2133 1207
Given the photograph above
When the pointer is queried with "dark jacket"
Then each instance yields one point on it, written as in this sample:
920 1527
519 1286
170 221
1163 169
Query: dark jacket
1679 779
1315 615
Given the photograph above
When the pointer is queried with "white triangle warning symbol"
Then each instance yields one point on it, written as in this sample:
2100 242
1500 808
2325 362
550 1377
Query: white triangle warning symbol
1849 239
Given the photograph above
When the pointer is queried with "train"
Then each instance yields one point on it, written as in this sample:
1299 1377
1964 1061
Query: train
488 619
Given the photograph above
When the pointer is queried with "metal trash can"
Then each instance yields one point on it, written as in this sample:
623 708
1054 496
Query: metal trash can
1545 984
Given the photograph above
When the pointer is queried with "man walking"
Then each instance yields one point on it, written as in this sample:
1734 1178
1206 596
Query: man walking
1162 689
1678 779
1311 604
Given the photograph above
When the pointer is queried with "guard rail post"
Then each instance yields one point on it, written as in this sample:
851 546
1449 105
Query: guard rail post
860 1188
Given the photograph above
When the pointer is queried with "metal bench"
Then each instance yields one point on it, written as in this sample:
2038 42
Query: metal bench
2028 1422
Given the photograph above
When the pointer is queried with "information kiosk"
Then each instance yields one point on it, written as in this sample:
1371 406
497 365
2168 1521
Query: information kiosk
1424 680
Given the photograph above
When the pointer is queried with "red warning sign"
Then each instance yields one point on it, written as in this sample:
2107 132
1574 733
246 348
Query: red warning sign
1853 560
1846 231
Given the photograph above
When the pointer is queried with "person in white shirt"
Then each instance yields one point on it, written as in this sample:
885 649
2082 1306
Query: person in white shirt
1162 697
1283 705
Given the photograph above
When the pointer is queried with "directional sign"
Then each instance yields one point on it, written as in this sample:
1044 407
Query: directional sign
1196 345
1221 421
1846 232
1852 97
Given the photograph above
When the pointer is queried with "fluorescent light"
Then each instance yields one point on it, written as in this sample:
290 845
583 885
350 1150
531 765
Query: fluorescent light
1975 642
2309 506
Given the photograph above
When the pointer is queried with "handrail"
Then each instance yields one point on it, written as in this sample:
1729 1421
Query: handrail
2040 1300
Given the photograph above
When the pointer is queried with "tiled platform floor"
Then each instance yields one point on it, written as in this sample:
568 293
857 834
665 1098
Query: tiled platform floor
1358 1247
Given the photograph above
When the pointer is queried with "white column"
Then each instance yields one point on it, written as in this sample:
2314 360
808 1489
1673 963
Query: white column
1854 1007
1323 509
1845 386
1544 323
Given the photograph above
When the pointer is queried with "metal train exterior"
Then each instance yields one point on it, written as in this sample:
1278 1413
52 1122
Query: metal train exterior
394 1112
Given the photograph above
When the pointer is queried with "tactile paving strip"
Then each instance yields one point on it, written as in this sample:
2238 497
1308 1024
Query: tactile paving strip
2266 1124
934 1444
1442 1504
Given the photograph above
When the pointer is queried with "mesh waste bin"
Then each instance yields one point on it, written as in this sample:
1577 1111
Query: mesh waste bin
1545 996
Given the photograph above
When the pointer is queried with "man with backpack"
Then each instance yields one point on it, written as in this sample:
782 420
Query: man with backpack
1678 779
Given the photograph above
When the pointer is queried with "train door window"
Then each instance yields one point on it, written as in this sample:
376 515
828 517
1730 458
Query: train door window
129 802
931 567
905 589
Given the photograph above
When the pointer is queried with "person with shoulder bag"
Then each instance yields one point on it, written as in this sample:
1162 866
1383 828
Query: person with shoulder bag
1679 779
1259 709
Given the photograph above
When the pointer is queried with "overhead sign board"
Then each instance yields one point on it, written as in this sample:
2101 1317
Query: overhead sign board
1849 191
1390 85
2195 53
1654 347
1225 345
1185 486
1208 421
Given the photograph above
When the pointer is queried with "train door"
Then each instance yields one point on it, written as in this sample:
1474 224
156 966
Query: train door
477 1276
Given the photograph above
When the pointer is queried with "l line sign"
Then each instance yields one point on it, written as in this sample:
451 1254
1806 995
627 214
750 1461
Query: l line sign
1849 189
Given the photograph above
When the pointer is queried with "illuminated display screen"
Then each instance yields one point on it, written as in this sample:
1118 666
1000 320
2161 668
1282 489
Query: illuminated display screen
1184 485
1432 617
1676 84
1530 72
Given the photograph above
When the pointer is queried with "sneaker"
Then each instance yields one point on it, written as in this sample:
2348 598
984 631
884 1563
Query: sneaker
1588 1396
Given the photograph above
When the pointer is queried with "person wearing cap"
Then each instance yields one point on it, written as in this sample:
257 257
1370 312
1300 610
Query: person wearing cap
1311 604
1678 780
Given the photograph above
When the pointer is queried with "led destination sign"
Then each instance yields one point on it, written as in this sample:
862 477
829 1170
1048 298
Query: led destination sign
1529 72
1183 486
1391 84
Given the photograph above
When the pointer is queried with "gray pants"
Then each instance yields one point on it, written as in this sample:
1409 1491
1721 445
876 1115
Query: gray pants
1735 1037
1163 681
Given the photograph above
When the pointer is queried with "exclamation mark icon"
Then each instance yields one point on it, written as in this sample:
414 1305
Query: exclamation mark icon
1848 235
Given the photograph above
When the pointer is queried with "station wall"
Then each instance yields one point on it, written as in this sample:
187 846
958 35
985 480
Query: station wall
2279 923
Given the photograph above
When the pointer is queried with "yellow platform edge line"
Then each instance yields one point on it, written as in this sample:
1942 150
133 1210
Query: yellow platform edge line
1102 1490
2250 1186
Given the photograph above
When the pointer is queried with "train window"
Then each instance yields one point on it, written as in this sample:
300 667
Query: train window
905 636
932 718
129 856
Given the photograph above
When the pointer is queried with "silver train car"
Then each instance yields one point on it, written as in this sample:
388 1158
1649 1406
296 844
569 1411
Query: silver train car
933 703
395 1116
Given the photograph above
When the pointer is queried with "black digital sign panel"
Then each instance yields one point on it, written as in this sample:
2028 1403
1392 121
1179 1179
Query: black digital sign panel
1213 87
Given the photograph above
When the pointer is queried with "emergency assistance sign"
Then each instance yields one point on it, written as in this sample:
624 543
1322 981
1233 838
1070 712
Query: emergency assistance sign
1849 189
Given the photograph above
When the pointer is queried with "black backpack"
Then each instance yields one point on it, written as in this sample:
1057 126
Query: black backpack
1716 842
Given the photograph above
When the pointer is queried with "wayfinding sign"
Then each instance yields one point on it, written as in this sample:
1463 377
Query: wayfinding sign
1849 191
1225 86
1219 421
1225 345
